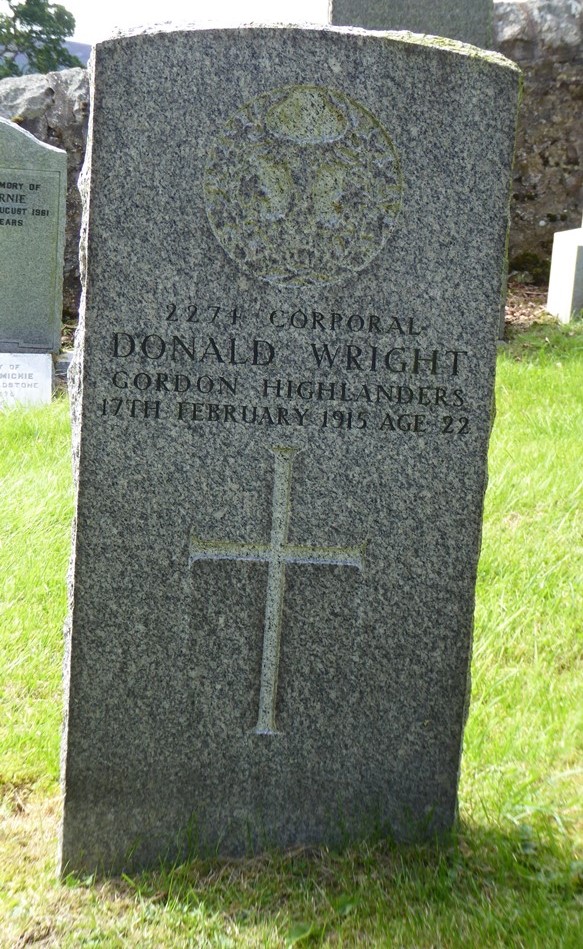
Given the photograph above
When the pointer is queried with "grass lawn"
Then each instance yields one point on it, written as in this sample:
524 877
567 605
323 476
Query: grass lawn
513 874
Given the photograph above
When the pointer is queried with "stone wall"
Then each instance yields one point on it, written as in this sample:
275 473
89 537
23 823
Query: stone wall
543 36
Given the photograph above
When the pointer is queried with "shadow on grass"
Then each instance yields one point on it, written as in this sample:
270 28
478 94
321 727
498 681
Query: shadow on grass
487 887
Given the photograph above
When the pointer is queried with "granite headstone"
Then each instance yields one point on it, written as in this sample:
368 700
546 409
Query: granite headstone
470 21
33 181
282 413
565 296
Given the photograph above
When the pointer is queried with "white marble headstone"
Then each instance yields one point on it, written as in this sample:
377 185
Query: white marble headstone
566 281
25 378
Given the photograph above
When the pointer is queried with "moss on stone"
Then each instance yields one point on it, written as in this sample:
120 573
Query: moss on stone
539 268
454 46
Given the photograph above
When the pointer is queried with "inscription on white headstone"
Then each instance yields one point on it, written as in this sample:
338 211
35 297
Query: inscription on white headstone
26 378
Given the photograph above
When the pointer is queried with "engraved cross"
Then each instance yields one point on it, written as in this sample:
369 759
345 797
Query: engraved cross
277 554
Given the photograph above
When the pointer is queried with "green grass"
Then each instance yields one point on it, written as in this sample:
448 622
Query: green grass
527 715
513 874
35 530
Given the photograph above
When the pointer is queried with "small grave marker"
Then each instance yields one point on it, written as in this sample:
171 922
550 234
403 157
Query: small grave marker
25 378
565 296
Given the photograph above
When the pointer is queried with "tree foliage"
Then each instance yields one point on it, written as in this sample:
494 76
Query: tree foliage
32 37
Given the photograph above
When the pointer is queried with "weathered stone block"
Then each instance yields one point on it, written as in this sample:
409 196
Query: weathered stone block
469 21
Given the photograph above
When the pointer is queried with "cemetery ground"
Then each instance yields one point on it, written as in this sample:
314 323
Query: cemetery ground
512 875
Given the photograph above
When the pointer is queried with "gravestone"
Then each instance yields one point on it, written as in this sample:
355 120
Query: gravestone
565 296
33 180
25 378
469 21
282 413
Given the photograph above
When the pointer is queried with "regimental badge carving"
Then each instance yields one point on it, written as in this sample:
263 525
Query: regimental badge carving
302 186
